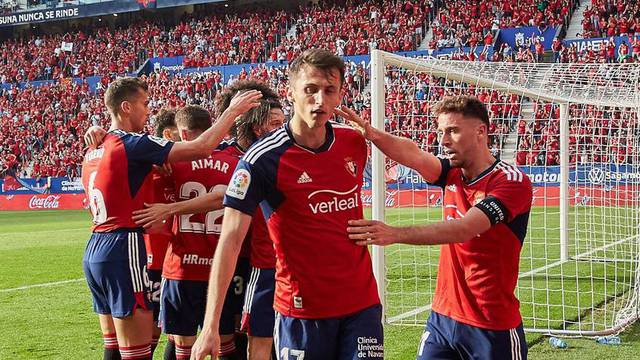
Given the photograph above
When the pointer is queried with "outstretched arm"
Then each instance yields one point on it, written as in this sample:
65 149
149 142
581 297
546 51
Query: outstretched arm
157 212
372 232
397 148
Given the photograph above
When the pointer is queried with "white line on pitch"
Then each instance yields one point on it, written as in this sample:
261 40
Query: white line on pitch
46 231
41 285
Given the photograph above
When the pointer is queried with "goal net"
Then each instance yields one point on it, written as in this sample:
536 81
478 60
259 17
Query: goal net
573 129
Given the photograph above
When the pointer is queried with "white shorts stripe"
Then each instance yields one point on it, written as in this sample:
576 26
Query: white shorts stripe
251 290
134 265
276 336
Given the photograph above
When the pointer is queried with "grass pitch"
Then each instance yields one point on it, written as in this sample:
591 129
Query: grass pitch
45 305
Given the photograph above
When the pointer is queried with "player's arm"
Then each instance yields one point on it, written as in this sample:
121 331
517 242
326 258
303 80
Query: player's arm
158 211
234 228
397 148
372 232
204 144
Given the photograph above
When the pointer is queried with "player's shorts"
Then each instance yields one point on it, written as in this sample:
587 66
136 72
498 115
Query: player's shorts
234 300
258 316
114 265
155 277
354 337
445 338
183 304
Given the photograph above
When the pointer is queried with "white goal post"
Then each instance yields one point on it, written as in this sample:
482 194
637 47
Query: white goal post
574 130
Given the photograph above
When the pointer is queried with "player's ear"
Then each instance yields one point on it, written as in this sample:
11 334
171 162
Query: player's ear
125 107
290 94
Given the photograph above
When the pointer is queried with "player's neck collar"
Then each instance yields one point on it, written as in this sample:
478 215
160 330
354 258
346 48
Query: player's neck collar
482 174
329 138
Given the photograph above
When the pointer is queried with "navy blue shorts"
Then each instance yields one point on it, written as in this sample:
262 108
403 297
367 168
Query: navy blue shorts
258 316
182 306
353 337
445 338
114 265
155 277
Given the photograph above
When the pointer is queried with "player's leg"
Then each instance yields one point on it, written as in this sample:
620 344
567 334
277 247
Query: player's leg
182 313
91 268
155 277
232 311
477 343
308 339
361 335
111 348
436 341
129 293
258 318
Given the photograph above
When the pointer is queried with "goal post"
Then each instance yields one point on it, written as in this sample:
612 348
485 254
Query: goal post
573 129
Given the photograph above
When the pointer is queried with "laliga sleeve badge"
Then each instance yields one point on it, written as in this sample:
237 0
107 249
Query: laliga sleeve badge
239 185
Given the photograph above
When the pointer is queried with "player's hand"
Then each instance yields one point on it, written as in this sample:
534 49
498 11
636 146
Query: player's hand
372 232
207 343
245 101
94 136
355 120
152 214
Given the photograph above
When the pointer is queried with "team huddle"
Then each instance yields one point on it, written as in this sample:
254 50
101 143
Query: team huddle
250 224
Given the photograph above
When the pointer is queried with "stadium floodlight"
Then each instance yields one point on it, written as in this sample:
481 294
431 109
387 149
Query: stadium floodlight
576 125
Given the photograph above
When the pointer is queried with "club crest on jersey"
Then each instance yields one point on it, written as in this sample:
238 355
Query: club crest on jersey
239 184
351 167
478 196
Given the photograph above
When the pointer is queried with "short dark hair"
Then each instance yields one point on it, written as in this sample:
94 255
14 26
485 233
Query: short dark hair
243 127
121 90
468 106
193 117
320 58
166 118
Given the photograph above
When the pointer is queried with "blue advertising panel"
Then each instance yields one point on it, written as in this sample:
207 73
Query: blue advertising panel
598 43
526 36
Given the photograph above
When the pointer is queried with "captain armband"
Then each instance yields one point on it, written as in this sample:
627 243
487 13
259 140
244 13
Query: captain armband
493 208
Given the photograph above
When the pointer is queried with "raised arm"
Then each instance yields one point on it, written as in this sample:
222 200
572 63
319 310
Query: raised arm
204 144
397 148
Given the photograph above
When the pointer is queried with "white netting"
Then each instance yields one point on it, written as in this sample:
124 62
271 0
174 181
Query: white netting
579 261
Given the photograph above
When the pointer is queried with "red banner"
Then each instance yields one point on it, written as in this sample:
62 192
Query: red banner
43 202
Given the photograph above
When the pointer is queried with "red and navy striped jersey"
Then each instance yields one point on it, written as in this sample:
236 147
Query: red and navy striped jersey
116 177
477 278
190 253
307 197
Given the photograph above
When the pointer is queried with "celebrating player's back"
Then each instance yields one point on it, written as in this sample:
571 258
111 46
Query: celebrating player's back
116 180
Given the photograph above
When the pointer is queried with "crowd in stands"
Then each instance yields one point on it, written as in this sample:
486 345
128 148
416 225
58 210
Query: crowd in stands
607 18
596 134
204 40
390 25
41 127
461 23
606 52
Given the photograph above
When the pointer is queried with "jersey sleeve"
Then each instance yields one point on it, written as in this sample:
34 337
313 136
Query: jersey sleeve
147 149
445 165
246 189
507 199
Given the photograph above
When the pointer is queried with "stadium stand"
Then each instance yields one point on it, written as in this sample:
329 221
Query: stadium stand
607 18
461 23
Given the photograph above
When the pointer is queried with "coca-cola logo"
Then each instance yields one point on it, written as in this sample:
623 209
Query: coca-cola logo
49 202
390 200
